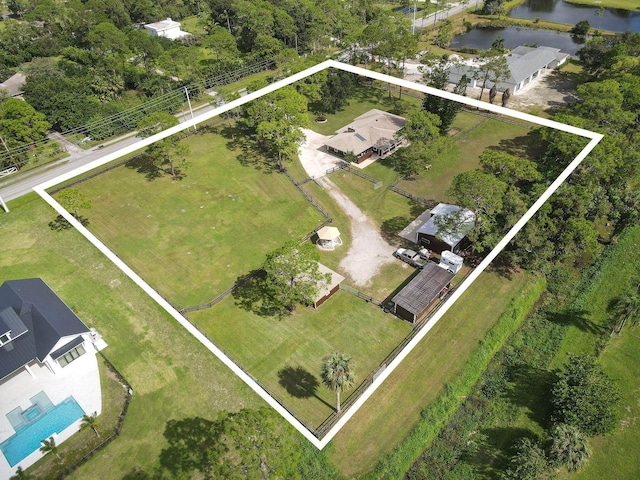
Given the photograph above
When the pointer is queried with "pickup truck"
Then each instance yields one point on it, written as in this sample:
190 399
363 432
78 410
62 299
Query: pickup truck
410 257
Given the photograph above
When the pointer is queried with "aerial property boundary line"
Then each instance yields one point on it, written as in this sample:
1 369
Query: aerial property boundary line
348 413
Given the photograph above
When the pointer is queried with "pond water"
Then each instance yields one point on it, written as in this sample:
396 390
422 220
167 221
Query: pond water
612 19
482 38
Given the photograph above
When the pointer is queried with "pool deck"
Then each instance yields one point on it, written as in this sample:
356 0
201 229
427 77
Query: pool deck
80 379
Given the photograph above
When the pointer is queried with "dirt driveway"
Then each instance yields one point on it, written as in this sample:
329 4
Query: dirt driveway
368 251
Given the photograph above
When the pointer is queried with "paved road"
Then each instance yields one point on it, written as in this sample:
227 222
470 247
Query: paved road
10 189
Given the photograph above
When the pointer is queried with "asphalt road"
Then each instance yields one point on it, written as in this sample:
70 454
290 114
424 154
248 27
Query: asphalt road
10 188
16 185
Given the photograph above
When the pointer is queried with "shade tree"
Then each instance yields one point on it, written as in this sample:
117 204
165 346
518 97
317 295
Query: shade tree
568 447
168 152
293 276
584 396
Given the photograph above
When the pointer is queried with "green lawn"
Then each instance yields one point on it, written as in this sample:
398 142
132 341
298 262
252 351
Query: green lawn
394 409
286 353
364 100
190 239
623 4
172 375
434 183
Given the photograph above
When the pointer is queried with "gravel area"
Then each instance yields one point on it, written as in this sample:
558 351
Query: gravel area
369 251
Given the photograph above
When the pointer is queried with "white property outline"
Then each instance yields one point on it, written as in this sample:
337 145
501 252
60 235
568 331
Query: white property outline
321 443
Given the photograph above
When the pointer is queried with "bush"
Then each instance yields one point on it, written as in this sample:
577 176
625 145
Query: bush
584 396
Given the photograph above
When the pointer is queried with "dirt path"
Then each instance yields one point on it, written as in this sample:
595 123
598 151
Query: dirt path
368 251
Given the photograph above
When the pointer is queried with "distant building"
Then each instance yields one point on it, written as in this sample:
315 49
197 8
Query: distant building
371 133
166 28
526 65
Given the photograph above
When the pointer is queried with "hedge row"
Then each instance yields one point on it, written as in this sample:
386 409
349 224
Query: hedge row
438 412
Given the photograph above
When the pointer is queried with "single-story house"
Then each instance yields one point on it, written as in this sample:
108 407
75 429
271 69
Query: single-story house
328 238
372 132
526 64
430 235
166 28
412 302
49 374
327 290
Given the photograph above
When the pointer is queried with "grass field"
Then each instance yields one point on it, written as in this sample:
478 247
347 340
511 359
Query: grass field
286 354
434 183
623 4
190 239
173 377
364 100
395 408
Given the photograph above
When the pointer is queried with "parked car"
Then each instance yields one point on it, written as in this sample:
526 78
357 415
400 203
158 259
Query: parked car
411 257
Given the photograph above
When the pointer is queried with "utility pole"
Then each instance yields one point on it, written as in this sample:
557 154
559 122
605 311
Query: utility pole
413 24
186 91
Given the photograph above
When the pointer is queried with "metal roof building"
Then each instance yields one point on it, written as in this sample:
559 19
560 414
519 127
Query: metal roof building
416 297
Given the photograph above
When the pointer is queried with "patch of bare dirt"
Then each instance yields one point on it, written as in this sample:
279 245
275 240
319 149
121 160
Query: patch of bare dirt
369 251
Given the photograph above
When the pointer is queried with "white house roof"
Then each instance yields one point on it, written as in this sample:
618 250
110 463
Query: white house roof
523 62
452 238
162 25
373 128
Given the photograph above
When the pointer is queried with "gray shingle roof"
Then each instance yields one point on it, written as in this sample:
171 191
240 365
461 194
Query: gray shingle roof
423 289
44 315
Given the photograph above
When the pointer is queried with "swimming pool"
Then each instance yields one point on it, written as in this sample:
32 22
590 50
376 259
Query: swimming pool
27 439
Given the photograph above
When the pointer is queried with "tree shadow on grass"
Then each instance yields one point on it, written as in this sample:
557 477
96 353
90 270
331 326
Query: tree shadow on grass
251 154
391 228
252 294
60 223
578 319
500 441
144 164
189 441
299 383
530 388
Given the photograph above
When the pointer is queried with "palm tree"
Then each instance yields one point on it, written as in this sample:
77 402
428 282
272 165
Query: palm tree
90 421
20 475
569 447
338 374
626 307
49 446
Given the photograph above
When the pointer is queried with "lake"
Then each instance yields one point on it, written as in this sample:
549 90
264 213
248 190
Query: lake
482 38
612 19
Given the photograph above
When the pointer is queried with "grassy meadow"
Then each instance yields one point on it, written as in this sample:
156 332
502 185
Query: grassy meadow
286 353
191 238
172 375
393 411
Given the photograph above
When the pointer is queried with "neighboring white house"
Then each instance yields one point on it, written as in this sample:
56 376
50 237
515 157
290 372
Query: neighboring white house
526 64
166 28
49 374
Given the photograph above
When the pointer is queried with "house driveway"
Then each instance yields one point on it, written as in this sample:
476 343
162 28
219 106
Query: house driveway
315 160
369 251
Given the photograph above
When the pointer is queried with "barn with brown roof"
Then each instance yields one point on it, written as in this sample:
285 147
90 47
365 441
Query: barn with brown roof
412 302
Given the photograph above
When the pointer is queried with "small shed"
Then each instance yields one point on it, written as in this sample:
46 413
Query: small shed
327 290
412 302
328 238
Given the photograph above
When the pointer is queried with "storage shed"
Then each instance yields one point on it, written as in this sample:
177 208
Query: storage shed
329 289
412 302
